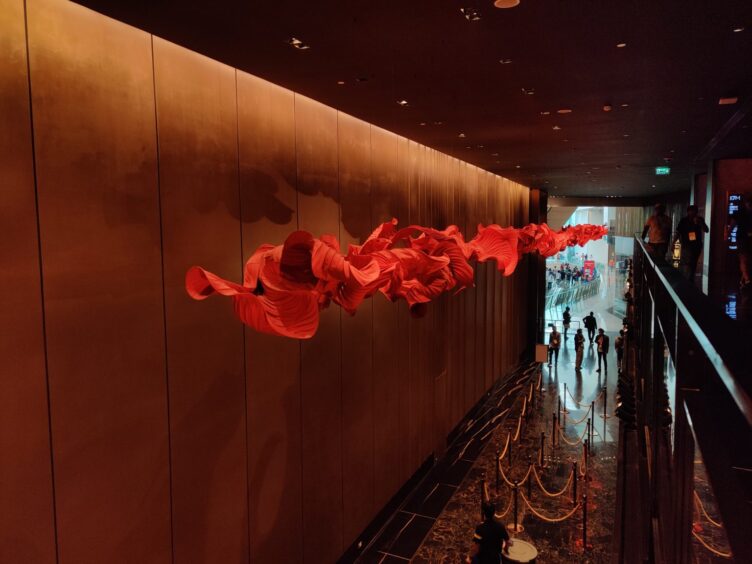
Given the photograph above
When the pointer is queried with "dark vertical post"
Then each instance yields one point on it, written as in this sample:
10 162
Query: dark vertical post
565 397
553 431
498 470
516 489
574 482
584 522
542 447
605 403
529 479
558 412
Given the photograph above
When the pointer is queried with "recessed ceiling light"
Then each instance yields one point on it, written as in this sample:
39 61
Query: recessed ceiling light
564 111
621 45
607 107
672 151
402 103
626 135
468 147
528 91
566 140
340 82
683 131
494 154
471 14
738 29
653 185
480 146
438 123
422 123
625 105
506 3
588 172
545 113
518 166
297 43
728 101
462 136
505 61
556 128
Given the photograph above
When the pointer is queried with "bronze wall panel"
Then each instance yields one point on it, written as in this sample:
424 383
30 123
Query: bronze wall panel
354 141
491 276
198 171
321 380
471 190
266 144
26 497
405 324
481 291
386 338
94 124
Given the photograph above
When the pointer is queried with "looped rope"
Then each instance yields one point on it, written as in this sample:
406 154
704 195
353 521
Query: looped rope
710 548
517 432
578 404
575 443
506 448
549 519
509 506
509 483
548 493
587 412
698 501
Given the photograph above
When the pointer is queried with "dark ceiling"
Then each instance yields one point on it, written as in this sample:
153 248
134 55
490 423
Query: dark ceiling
680 57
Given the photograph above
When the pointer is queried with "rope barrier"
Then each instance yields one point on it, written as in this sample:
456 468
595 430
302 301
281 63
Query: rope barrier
578 404
509 483
548 493
517 432
698 501
549 519
575 443
509 506
583 417
506 447
710 548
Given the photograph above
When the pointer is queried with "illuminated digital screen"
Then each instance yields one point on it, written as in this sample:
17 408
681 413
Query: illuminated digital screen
734 201
662 170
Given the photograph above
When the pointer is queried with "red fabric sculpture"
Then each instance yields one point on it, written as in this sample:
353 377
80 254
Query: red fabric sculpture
285 287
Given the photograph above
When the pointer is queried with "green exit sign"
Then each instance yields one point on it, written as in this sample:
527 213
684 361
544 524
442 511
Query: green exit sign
662 170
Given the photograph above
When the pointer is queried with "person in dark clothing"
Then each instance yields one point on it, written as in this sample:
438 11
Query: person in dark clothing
619 347
658 231
490 538
567 318
579 349
689 233
554 342
591 325
602 341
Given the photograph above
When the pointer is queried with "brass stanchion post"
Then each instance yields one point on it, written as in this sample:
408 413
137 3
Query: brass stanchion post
498 463
584 522
516 488
565 397
592 416
553 431
542 447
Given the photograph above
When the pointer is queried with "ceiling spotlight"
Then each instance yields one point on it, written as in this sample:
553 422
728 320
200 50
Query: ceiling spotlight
518 166
494 154
621 45
506 3
626 135
564 111
528 91
505 61
422 123
340 82
297 43
471 14
566 140
556 128
402 103
438 123
462 136
683 131
738 29
653 185
545 113
625 105
607 107
480 146
728 101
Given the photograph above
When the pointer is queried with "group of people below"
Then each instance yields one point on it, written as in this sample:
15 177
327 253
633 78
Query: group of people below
595 336
568 274
690 232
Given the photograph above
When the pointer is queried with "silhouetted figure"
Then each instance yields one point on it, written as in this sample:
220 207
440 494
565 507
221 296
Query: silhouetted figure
554 343
742 219
567 318
579 349
602 341
591 325
689 233
619 348
658 231
490 538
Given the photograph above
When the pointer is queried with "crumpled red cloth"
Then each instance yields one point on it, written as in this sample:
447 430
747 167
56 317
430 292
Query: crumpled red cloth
285 286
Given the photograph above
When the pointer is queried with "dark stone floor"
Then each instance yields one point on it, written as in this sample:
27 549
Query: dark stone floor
706 524
450 537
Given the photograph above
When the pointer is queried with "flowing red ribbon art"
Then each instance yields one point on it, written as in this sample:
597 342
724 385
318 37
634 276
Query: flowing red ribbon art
285 286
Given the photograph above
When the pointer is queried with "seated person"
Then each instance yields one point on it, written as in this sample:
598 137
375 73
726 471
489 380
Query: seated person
490 539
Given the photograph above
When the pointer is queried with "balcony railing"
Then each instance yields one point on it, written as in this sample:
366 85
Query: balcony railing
692 379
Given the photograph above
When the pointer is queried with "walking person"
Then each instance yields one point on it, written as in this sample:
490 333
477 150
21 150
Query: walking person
591 325
567 318
579 349
602 341
658 231
619 348
742 220
554 342
689 233
490 539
